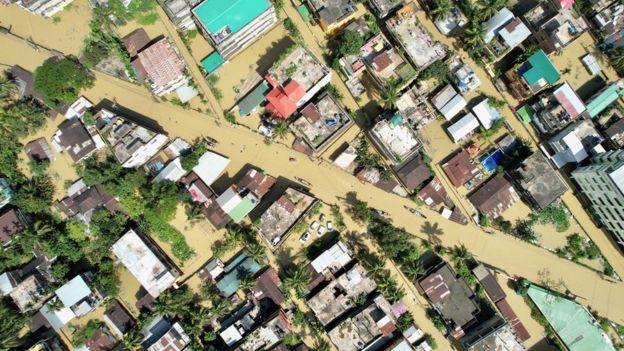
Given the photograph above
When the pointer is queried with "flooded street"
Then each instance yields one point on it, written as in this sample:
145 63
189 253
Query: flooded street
509 256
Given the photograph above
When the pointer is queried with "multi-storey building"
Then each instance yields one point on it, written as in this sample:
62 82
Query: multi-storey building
602 182
231 26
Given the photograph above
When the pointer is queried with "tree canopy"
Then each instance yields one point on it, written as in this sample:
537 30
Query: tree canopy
60 80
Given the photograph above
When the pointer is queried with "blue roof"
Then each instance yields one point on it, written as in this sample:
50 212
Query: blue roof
212 62
538 67
234 272
234 14
603 100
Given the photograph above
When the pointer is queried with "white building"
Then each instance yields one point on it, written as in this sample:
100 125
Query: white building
210 166
45 8
486 114
448 102
463 128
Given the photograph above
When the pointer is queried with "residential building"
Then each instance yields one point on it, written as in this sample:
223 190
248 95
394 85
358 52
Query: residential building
486 114
179 12
383 7
554 27
455 20
382 61
102 340
601 183
211 270
321 122
374 322
414 38
575 143
575 327
434 194
504 32
5 192
45 8
28 285
75 139
12 222
346 159
172 172
231 26
238 268
555 110
135 41
602 99
268 334
463 76
254 326
448 102
338 297
254 98
414 108
132 144
414 173
463 128
257 182
163 335
160 65
494 197
334 14
533 76
461 169
395 138
538 183
451 297
278 220
210 166
295 78
498 336
373 175
118 319
610 23
268 286
82 201
615 133
154 273
75 298
39 150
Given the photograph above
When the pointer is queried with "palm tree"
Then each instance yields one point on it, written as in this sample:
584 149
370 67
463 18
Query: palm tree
390 94
617 58
460 253
8 90
396 294
256 252
280 130
321 345
194 214
297 278
475 32
374 263
414 270
490 7
443 9
220 308
247 283
386 285
132 340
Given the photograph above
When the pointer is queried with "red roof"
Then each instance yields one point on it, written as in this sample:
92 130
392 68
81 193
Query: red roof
566 4
161 63
282 102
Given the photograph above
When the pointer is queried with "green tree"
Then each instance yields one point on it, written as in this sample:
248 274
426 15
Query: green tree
350 43
460 254
35 195
616 56
474 32
8 90
191 160
360 212
390 95
297 278
405 321
280 130
60 80
443 9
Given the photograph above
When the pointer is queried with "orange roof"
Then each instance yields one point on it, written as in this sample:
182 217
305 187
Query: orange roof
282 102
294 91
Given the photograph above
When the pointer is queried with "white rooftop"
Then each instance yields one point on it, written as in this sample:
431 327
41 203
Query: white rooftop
346 158
569 100
618 178
495 23
453 107
462 128
5 284
229 200
231 335
337 256
516 36
486 113
210 167
78 108
57 319
137 257
172 172
73 291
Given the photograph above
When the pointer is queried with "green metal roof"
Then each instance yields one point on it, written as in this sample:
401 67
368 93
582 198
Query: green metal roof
234 273
242 209
526 113
540 67
253 99
212 62
602 101
574 325
304 12
235 14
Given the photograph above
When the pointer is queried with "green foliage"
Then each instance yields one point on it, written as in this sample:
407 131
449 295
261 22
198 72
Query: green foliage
94 171
191 160
21 118
524 230
484 221
35 195
405 321
297 279
371 21
350 43
230 117
556 215
60 80
578 247
436 319
506 227
438 70
291 339
390 95
360 212
432 342
38 168
81 335
292 29
497 125
212 81
11 322
333 90
339 223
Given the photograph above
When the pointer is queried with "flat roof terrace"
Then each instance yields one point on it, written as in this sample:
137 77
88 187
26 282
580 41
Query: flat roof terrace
421 49
300 65
396 138
279 218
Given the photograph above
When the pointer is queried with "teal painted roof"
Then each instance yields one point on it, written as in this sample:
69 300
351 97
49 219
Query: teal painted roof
253 99
235 14
242 209
540 67
602 101
574 325
212 62
234 273
396 120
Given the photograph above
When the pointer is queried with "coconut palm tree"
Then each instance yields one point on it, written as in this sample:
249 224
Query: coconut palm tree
489 8
443 9
474 32
280 130
297 278
617 58
321 345
460 253
256 252
7 90
247 282
391 93
220 307
414 270
132 340
396 294
194 214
